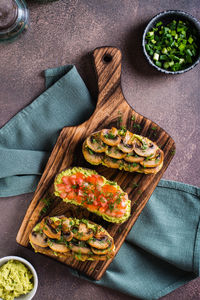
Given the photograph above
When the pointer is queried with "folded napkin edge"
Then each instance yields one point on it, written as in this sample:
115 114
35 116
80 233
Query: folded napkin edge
196 258
51 72
181 186
8 126
183 280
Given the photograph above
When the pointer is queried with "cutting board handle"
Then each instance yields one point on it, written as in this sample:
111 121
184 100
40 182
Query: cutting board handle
107 63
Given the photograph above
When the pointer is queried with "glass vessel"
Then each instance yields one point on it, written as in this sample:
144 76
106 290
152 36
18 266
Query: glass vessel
14 18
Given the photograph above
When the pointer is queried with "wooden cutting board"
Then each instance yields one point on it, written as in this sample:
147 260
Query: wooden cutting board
112 110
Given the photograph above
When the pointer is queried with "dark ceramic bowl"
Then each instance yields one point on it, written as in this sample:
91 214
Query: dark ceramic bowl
166 17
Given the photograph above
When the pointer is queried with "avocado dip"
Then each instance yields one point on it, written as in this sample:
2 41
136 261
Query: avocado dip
15 280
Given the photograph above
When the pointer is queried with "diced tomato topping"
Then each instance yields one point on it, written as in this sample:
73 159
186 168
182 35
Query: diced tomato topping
102 200
95 202
123 204
79 181
102 209
91 197
91 207
63 195
85 184
61 187
107 188
65 180
72 179
81 193
98 188
104 204
80 175
68 188
95 179
95 195
71 195
118 214
100 180
79 199
92 179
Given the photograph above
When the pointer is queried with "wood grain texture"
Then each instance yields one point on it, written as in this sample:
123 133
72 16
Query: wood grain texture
112 110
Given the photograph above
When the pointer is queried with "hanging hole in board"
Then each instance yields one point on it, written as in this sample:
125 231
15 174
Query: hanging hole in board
107 58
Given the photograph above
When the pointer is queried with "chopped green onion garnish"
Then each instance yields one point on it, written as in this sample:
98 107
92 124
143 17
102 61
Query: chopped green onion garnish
156 56
173 46
190 40
158 63
150 33
171 63
163 57
166 65
159 24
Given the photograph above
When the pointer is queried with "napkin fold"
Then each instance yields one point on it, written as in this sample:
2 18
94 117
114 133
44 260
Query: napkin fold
27 140
161 251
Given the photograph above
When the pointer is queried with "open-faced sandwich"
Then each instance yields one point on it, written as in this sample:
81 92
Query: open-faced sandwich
121 149
94 192
71 237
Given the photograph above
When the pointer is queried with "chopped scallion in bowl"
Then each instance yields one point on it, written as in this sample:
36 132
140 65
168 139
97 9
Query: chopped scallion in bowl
171 42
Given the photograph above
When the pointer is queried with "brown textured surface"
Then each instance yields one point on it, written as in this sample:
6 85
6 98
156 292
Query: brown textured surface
64 32
67 153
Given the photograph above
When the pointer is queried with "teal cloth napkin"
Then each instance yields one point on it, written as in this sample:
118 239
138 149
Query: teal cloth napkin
162 250
27 140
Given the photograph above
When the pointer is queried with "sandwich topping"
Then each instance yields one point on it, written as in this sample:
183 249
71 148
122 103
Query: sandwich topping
79 239
121 149
89 189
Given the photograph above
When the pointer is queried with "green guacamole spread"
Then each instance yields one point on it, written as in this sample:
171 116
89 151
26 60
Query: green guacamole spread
15 280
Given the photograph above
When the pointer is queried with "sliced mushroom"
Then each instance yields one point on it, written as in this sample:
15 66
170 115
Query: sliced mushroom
38 238
83 233
126 144
100 241
110 136
126 148
154 162
56 222
49 230
112 162
66 224
70 246
102 251
68 236
143 146
95 143
131 167
79 247
132 157
50 252
58 247
115 152
92 157
150 170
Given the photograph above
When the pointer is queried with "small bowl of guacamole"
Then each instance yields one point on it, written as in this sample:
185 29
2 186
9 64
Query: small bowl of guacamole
18 279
